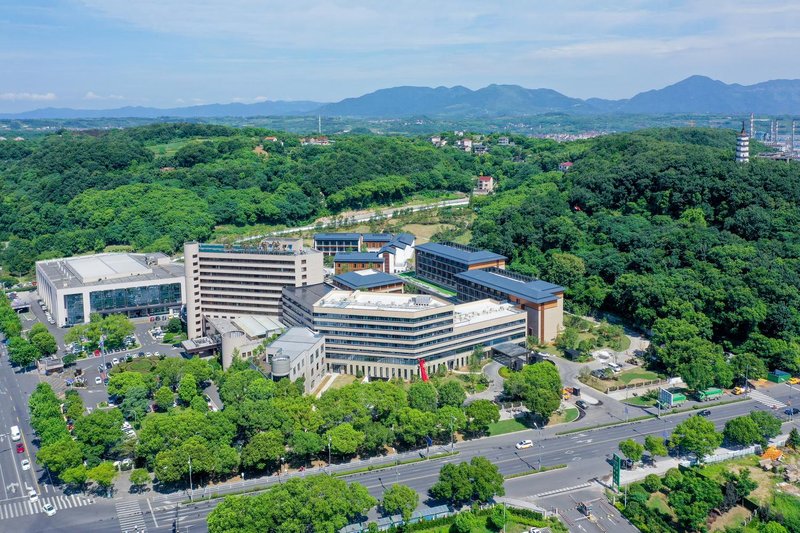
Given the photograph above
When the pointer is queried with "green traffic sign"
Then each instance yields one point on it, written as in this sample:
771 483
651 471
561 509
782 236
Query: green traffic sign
617 466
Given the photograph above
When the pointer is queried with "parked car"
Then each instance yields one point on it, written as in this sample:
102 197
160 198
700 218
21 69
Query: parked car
100 368
109 366
48 509
521 445
583 405
26 465
157 354
98 380
148 354
141 354
20 448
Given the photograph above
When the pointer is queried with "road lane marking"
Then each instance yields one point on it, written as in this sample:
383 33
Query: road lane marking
152 514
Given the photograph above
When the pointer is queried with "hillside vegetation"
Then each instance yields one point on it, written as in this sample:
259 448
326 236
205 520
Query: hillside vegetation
664 229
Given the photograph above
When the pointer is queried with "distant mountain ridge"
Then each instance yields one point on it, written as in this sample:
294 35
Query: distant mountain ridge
695 94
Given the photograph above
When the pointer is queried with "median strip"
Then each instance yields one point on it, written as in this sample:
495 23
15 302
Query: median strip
373 468
534 471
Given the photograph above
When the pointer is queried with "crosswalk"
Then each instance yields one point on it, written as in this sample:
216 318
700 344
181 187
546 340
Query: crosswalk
130 516
769 401
14 509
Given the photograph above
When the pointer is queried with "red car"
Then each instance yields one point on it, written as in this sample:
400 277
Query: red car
20 448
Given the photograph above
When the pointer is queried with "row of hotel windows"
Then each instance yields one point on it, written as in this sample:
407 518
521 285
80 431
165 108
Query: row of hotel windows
383 327
362 318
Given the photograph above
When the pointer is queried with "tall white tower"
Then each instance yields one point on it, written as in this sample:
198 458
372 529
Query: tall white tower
742 146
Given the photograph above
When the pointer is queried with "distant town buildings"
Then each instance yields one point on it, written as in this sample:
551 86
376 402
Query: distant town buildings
315 141
565 166
355 251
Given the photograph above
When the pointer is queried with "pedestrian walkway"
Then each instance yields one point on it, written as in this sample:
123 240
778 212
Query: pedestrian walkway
14 509
769 401
130 516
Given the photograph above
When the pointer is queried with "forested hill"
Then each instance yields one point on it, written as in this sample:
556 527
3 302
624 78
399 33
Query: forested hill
154 187
662 227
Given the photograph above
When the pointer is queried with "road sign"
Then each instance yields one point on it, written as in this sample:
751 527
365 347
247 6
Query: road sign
617 466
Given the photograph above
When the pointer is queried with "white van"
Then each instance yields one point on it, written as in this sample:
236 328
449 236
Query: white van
15 433
614 367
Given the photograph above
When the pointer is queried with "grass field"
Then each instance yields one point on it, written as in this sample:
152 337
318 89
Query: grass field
169 149
439 288
508 426
342 381
658 502
630 376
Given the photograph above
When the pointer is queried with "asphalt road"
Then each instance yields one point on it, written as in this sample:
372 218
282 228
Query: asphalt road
586 455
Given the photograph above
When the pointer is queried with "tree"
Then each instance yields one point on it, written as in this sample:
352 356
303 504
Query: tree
61 455
423 396
400 499
632 450
21 352
773 527
136 403
793 441
479 480
539 387
651 483
743 431
696 435
187 388
344 439
75 476
451 393
655 446
263 449
768 424
45 343
174 325
103 474
748 365
164 398
498 518
466 522
120 383
99 431
313 503
139 478
480 414
305 444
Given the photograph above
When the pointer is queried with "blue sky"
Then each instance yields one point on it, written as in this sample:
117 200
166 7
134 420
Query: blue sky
167 53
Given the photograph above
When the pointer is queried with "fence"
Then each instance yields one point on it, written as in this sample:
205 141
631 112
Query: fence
641 384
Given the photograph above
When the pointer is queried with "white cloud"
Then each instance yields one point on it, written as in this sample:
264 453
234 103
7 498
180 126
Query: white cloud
248 100
32 97
91 95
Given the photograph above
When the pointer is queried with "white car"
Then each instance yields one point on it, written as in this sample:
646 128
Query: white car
521 445
157 354
32 496
26 465
48 509
148 354
98 380
115 361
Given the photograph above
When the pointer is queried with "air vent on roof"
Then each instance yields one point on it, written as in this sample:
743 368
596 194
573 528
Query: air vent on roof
422 299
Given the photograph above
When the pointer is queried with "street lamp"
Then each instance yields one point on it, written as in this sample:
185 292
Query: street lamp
191 489
329 452
452 420
540 444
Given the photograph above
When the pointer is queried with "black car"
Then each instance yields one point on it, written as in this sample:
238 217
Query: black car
583 405
141 354
109 365
791 411
704 412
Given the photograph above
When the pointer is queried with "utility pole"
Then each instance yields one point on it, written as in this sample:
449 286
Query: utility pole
191 489
329 453
452 419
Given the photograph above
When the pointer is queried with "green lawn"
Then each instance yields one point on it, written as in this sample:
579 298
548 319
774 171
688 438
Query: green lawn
658 502
508 426
167 149
630 375
439 288
640 401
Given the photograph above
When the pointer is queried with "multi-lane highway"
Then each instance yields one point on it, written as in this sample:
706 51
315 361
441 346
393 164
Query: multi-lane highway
585 454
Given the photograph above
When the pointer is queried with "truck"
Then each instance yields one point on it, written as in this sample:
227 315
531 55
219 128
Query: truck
669 399
709 394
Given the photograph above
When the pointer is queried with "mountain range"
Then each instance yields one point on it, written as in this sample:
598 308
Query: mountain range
696 95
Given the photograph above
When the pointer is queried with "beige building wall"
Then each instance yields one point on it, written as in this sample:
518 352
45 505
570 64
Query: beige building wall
226 284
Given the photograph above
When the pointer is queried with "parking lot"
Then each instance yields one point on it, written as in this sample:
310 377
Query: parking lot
94 367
